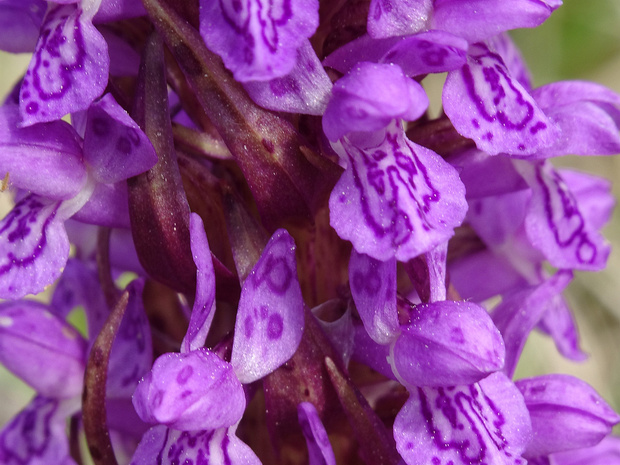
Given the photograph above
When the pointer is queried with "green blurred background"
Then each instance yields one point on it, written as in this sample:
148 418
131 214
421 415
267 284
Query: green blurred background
581 40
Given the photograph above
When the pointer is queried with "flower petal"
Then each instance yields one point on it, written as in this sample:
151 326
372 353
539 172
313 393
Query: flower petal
54 149
37 434
20 21
566 414
555 224
204 303
486 104
586 114
41 349
132 350
388 18
373 288
114 145
270 319
481 19
396 198
169 447
33 247
320 451
192 391
69 68
448 343
258 40
306 89
353 109
519 313
479 424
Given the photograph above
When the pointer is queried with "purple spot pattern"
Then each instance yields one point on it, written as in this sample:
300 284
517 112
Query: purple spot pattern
488 105
555 224
373 288
396 199
163 446
69 68
257 39
270 318
463 425
115 147
37 433
33 247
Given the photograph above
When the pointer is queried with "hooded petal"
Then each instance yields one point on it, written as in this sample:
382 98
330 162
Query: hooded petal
448 343
192 391
270 319
566 414
353 109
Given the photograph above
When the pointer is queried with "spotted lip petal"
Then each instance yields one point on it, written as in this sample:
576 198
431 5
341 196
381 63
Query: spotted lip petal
192 391
258 40
566 414
446 344
33 247
373 288
555 224
37 434
396 198
486 104
69 68
42 349
478 424
215 447
114 145
270 319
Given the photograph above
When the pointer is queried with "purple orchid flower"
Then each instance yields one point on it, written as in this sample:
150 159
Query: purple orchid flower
327 272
